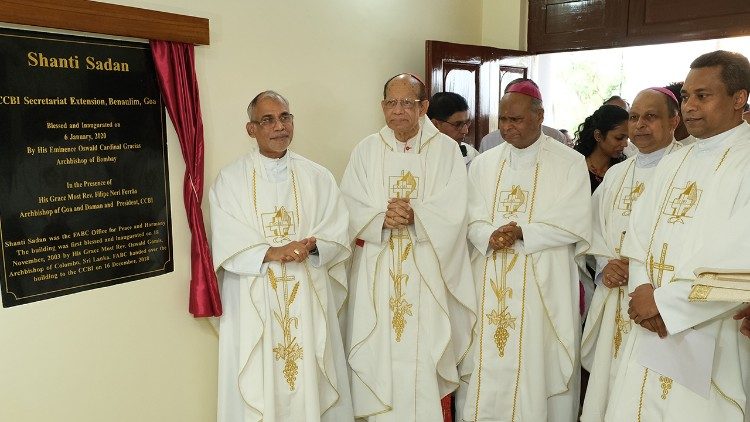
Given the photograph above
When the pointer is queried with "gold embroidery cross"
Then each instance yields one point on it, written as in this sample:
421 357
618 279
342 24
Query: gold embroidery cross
661 265
280 224
682 204
404 186
629 199
400 246
289 351
500 316
514 201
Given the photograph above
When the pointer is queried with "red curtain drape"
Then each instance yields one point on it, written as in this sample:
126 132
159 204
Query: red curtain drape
175 67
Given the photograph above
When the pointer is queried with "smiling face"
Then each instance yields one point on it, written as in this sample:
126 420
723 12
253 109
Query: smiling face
650 127
707 108
273 138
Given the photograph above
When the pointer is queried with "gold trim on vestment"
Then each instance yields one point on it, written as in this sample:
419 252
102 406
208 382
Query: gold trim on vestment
501 316
661 211
622 325
643 390
289 350
666 386
727 398
699 293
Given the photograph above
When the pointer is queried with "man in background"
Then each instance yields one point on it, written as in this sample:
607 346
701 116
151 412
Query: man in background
681 132
449 112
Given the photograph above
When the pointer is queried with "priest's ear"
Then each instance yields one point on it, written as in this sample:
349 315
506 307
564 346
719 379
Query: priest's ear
674 121
423 106
740 99
538 108
250 127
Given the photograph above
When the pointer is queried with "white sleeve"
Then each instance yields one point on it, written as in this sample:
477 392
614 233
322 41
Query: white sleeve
326 252
539 236
679 313
249 262
601 262
479 236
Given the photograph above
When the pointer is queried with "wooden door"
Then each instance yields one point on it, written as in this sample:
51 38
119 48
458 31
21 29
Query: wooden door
475 72
567 25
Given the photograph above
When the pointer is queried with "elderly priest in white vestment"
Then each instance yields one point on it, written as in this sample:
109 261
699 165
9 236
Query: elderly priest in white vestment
530 218
411 299
280 240
651 125
686 360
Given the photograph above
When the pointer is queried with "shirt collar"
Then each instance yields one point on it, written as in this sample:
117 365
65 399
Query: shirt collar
716 141
652 159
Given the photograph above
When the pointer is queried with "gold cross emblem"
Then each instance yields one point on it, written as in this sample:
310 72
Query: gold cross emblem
513 201
288 350
278 225
626 204
661 265
404 186
682 203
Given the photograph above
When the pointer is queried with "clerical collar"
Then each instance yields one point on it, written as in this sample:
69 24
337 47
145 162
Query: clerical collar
652 159
524 157
716 141
276 168
525 153
411 144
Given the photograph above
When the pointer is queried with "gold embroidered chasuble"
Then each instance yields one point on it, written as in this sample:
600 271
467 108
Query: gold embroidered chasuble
608 324
527 294
281 352
672 231
411 304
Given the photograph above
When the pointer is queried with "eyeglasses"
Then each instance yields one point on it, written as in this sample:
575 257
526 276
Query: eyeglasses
270 121
458 125
405 103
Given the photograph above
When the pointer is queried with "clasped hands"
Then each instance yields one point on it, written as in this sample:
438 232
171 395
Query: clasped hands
295 251
642 309
615 273
505 236
399 214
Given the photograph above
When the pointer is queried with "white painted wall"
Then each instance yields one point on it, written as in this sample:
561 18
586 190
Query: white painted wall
504 23
132 352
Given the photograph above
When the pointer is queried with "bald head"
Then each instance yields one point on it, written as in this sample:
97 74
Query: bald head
406 79
521 119
652 121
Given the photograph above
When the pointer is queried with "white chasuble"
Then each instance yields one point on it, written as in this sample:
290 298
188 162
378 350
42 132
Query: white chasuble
281 354
523 362
411 299
607 323
673 229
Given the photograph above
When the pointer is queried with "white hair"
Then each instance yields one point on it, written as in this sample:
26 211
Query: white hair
265 94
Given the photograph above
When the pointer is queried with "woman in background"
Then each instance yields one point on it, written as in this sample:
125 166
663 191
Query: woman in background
601 138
